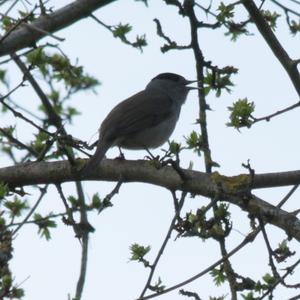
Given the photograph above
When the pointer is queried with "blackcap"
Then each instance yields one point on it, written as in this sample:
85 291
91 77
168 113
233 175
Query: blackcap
145 120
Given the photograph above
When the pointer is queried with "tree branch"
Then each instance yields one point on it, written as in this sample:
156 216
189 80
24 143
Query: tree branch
143 171
26 36
231 189
248 239
289 65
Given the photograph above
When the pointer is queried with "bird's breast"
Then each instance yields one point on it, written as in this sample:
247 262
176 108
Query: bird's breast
151 137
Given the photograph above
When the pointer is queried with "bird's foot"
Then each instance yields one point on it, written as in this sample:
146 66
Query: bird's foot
121 156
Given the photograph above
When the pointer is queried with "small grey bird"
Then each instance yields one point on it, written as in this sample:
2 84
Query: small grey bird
145 120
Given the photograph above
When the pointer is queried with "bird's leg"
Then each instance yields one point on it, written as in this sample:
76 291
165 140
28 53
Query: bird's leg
121 155
151 156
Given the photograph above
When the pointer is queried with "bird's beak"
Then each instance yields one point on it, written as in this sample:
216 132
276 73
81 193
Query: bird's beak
192 87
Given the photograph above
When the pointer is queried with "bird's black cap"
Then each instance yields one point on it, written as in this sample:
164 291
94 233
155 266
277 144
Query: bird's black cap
170 76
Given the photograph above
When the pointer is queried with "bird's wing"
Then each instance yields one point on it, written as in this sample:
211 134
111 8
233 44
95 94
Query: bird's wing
141 111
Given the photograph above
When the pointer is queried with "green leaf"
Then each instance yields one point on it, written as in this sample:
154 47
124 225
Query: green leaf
225 12
96 201
240 115
39 59
121 30
174 147
138 252
222 211
74 202
294 27
194 141
39 143
44 224
17 293
235 30
6 282
219 80
16 207
3 190
218 275
3 77
7 23
140 42
269 279
249 296
158 286
8 130
270 17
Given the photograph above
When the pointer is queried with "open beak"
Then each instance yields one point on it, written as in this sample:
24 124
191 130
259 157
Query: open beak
191 87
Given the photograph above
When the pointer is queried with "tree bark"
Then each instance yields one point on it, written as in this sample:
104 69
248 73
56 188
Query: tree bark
235 189
26 36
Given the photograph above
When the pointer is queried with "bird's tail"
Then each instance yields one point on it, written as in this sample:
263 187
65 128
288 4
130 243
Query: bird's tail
93 163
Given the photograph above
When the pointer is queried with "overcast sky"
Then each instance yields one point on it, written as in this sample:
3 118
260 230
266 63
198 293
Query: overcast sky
142 213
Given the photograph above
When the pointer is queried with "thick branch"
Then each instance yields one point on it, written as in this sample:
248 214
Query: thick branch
232 189
142 171
289 65
27 36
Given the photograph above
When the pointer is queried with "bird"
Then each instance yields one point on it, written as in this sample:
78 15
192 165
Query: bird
145 120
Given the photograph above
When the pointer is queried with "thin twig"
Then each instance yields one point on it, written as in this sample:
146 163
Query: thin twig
28 25
34 207
269 248
18 114
297 297
178 207
70 220
15 26
170 44
288 195
285 8
17 142
249 238
281 279
279 112
189 294
86 229
52 216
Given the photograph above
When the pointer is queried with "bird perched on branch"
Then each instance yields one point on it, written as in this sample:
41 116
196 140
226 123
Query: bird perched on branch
145 120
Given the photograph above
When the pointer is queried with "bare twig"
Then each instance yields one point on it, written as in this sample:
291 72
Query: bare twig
70 220
17 142
33 209
52 115
285 8
288 195
269 248
18 114
86 228
279 112
288 272
170 44
108 197
178 207
189 294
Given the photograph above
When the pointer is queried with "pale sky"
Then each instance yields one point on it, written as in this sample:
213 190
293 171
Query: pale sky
142 213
